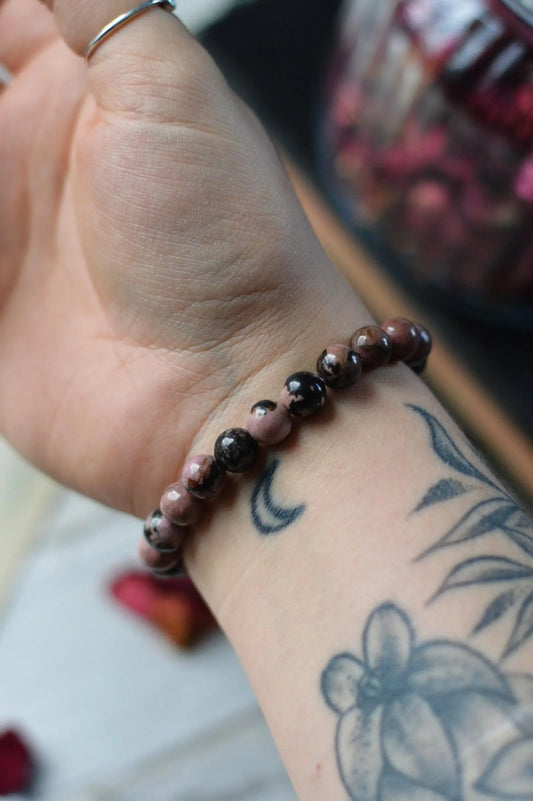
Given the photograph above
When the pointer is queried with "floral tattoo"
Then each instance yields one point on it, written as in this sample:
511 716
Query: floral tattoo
429 721
436 720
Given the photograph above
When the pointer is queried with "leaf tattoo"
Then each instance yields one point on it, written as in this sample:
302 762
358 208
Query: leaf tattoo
485 517
448 451
485 570
523 629
430 721
444 490
495 610
498 514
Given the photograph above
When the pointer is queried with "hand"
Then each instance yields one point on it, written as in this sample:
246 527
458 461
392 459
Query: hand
153 260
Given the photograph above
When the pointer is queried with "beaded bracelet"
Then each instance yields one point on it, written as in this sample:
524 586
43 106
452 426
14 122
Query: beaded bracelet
269 423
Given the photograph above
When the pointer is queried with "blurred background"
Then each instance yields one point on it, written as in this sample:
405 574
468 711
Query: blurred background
407 129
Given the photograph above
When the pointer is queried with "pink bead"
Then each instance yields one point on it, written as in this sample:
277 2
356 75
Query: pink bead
162 534
179 506
203 476
157 560
269 423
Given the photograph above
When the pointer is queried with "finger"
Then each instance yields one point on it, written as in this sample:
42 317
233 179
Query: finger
139 66
25 28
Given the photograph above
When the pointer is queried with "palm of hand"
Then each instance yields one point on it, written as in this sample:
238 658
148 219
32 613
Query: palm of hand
132 263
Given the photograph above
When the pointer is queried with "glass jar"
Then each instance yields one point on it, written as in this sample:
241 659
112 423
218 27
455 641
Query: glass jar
428 141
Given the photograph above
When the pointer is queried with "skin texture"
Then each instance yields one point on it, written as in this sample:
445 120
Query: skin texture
157 277
149 245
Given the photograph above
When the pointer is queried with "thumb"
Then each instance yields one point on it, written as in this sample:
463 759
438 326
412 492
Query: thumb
139 66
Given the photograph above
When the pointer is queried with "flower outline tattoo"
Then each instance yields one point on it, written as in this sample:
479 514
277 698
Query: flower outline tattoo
410 716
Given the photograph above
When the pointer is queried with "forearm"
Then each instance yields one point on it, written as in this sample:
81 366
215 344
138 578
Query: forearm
375 483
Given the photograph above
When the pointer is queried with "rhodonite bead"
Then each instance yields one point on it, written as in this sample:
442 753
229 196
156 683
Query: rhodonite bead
177 569
373 345
236 450
419 367
303 394
419 358
269 423
179 506
339 366
157 560
161 534
203 476
403 336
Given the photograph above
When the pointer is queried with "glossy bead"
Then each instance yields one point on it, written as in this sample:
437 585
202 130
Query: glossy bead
419 367
179 506
339 366
373 345
303 394
236 450
157 560
203 476
403 336
269 423
425 343
161 534
177 569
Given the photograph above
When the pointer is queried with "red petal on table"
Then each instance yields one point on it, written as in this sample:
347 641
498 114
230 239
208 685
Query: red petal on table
137 591
173 605
16 763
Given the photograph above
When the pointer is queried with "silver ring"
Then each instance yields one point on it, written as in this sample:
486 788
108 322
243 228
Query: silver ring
123 19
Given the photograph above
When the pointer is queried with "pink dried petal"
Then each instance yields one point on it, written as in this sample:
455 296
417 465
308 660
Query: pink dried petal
458 168
417 151
524 182
396 163
137 591
173 605
346 104
182 615
427 203
432 145
478 207
16 763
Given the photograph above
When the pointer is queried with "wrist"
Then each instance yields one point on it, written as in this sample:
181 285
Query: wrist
225 379
348 451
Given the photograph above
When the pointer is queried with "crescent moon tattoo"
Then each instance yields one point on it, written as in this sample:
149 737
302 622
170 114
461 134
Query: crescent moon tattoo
268 517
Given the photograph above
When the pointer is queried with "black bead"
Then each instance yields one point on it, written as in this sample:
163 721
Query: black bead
268 405
419 368
303 394
424 346
176 570
236 450
339 367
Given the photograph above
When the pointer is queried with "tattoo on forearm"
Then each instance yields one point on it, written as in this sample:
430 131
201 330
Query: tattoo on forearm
268 516
492 512
436 720
428 721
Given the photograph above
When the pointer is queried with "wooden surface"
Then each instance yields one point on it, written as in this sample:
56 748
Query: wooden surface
507 446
